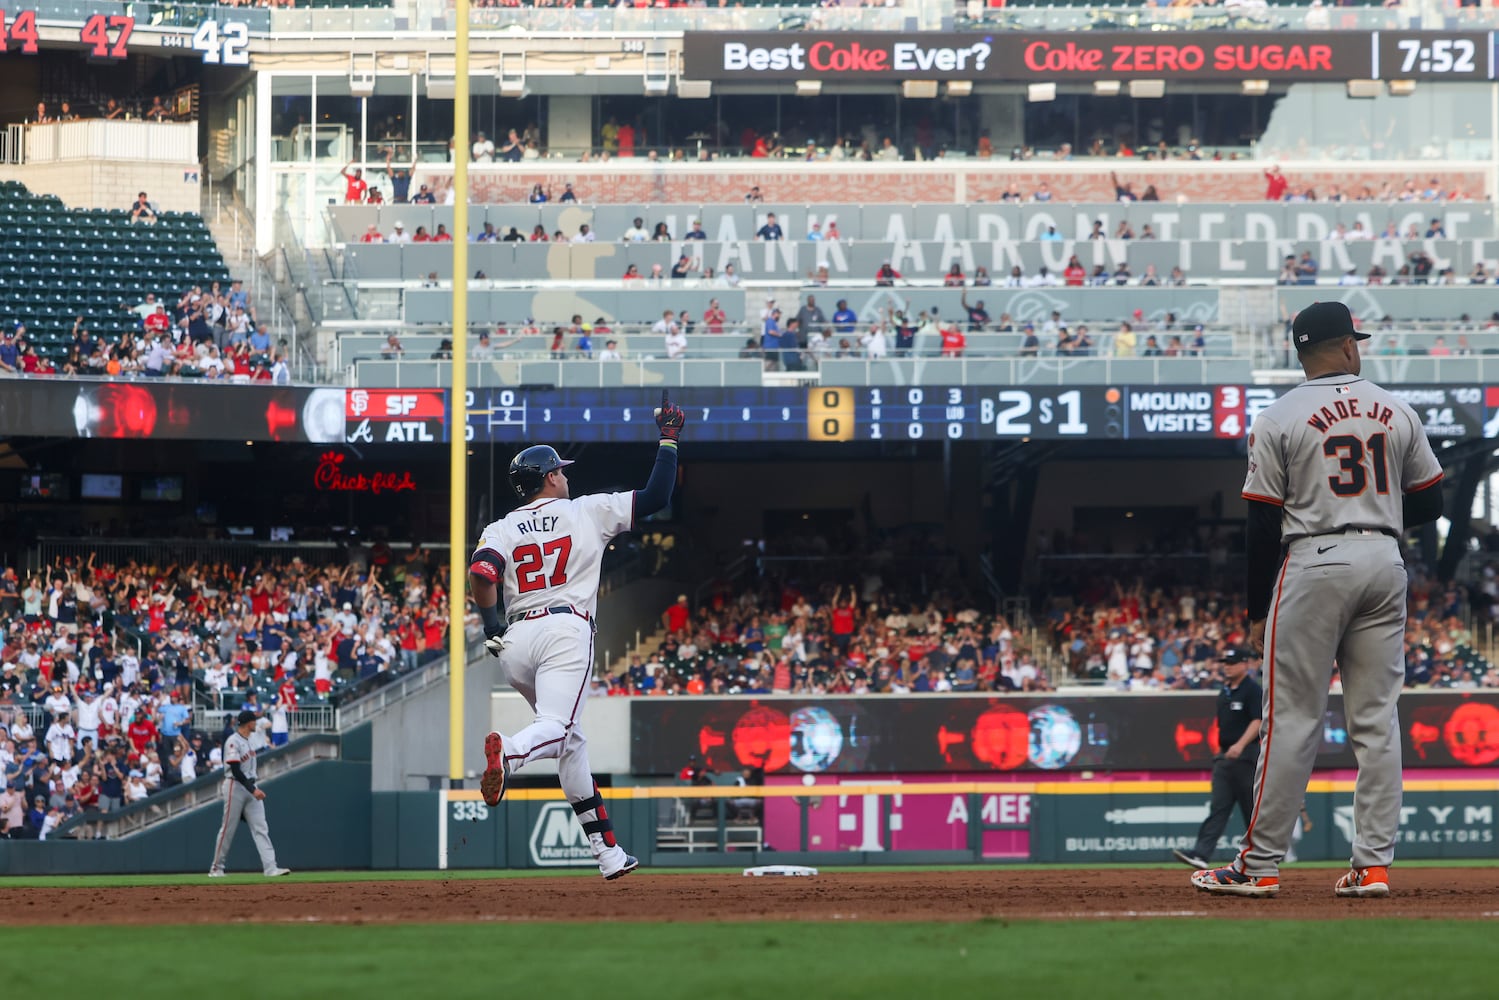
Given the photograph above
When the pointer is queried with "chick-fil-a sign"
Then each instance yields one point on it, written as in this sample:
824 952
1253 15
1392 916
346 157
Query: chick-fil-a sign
331 476
1030 57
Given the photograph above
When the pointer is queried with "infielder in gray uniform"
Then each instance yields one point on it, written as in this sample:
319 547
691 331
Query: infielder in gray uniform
243 801
1338 467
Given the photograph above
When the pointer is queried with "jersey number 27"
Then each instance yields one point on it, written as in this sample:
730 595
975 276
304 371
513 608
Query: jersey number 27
530 568
1353 478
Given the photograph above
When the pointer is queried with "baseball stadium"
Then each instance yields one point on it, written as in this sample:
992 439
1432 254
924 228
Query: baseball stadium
894 496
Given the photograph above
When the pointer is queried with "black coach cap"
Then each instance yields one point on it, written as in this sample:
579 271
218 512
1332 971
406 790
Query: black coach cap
1323 321
1237 654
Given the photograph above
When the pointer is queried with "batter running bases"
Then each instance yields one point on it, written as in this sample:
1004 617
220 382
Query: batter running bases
546 555
1338 467
243 802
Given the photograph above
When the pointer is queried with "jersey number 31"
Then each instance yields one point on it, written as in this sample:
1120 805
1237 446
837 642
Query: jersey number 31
530 567
1353 478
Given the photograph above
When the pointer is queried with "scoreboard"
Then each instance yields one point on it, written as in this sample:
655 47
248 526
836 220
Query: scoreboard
917 413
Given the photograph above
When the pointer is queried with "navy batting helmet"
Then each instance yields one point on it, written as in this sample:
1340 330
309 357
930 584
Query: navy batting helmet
528 470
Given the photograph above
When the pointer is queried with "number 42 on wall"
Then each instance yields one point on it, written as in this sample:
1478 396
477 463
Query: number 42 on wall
227 45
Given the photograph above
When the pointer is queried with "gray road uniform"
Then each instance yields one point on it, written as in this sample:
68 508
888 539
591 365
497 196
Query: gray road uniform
240 804
1339 457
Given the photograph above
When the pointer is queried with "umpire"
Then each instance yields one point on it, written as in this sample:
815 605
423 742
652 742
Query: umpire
1240 706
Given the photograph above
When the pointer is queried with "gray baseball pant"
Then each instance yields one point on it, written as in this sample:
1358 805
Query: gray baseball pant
240 804
1340 597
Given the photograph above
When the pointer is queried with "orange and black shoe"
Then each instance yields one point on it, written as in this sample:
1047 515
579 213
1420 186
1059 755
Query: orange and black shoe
1231 882
492 785
1364 882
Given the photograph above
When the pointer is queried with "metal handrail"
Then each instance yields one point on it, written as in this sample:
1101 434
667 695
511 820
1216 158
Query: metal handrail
360 709
176 801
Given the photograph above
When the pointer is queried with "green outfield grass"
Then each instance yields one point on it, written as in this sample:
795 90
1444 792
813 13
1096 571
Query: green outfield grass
819 961
113 881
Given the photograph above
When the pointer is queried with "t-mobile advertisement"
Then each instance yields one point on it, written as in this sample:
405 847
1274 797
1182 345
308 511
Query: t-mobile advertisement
969 734
845 814
1030 57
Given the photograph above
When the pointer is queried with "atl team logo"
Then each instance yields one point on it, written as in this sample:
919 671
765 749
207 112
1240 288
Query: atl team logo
558 840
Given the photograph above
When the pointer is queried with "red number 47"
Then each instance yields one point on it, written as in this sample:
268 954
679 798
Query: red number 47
530 574
96 32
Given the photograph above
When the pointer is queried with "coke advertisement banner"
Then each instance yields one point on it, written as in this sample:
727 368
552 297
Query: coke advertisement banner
971 734
1090 55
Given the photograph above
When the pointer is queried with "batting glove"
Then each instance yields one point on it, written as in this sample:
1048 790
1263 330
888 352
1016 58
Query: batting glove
669 418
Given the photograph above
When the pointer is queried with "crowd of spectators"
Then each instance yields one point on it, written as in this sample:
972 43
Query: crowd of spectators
781 637
804 335
1278 187
102 666
1141 636
158 109
208 333
778 637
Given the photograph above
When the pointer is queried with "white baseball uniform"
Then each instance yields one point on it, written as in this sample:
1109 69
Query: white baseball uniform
547 554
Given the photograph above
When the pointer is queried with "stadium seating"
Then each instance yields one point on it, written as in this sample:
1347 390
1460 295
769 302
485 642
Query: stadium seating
1169 638
59 263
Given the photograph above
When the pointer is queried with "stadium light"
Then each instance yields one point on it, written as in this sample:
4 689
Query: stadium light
696 90
808 88
1105 88
1402 88
362 74
1256 88
919 89
1363 88
1038 92
1147 89
959 88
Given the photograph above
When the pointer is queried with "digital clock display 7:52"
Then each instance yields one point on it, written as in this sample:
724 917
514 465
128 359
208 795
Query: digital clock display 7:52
1433 55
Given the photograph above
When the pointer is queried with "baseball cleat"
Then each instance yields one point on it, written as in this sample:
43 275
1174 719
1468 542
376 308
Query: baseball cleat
628 863
1364 882
277 872
215 873
492 785
1190 860
1227 881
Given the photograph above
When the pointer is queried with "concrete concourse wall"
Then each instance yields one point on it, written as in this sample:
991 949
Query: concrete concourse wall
174 187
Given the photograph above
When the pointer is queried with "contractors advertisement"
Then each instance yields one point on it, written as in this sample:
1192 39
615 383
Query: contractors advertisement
1089 55
1438 819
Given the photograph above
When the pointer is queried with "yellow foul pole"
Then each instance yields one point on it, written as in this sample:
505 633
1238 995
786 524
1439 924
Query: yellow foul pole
458 428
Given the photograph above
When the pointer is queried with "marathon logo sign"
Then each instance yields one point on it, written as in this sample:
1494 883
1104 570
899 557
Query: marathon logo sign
1028 57
1164 413
557 838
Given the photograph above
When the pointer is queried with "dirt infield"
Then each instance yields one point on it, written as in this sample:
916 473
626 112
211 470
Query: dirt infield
938 895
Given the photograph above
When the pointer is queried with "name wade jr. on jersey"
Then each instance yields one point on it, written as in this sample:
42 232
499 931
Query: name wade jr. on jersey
1327 417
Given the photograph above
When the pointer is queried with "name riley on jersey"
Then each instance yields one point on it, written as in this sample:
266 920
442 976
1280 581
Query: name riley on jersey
544 523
